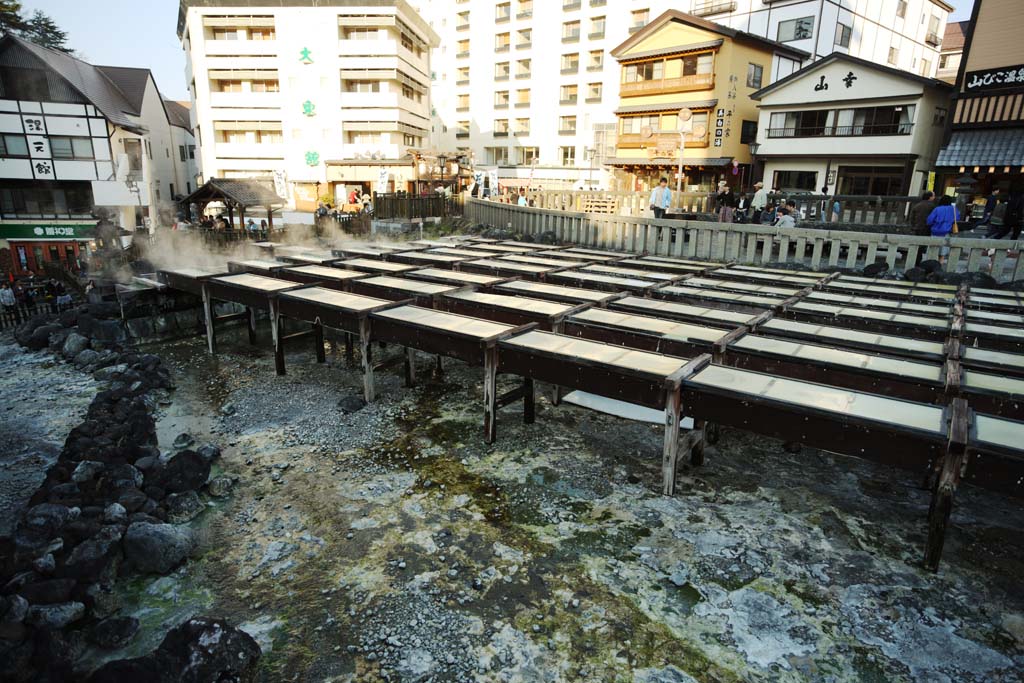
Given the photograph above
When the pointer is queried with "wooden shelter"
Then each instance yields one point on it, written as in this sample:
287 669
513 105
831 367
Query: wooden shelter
237 194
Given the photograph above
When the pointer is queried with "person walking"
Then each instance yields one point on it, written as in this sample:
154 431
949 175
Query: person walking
726 202
785 219
1015 213
942 222
919 213
661 198
990 206
758 203
10 303
997 228
522 201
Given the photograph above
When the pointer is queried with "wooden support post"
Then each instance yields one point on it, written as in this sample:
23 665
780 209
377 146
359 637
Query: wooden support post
410 366
439 366
670 453
952 465
366 353
275 331
697 450
491 393
556 395
318 342
211 332
529 405
252 325
350 354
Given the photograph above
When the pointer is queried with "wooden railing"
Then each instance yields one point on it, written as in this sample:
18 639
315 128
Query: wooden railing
813 248
679 84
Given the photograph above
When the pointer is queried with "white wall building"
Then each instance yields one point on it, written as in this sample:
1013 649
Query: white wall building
78 136
328 96
852 127
528 87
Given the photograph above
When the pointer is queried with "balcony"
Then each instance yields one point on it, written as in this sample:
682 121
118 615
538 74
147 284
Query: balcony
462 134
501 48
705 8
593 100
598 3
497 105
571 5
521 133
464 81
636 27
569 100
502 18
571 38
571 69
668 85
933 39
842 131
595 67
525 74
522 105
525 15
501 133
466 108
524 46
462 55
462 27
233 48
659 141
596 35
567 131
499 77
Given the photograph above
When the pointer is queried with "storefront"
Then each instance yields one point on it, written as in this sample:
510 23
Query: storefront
25 247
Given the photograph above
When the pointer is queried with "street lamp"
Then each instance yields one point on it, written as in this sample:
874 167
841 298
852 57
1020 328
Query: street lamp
754 146
589 152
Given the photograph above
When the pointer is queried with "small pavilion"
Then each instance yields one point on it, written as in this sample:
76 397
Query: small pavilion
237 194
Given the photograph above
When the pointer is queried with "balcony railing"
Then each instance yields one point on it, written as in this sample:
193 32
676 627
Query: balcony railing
526 14
462 27
464 53
501 105
841 131
501 133
463 81
501 48
570 69
525 45
567 131
571 5
462 134
522 105
521 133
598 3
568 100
659 140
666 85
525 74
595 67
595 35
709 7
933 39
571 37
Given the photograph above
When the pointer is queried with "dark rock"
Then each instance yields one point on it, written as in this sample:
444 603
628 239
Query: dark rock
875 269
143 517
86 358
87 470
157 548
40 525
209 452
79 530
930 266
183 441
55 616
65 494
792 447
108 331
101 600
68 318
155 492
915 274
351 404
183 471
95 557
220 487
44 565
109 373
48 592
132 499
74 344
57 340
183 507
198 651
115 513
115 632
976 279
13 609
147 462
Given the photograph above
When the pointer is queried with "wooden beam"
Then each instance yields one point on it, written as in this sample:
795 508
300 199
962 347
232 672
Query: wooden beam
251 324
670 451
211 334
490 393
318 342
275 331
952 466
366 353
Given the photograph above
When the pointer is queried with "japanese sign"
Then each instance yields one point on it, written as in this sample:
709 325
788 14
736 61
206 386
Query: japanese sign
308 108
43 169
993 79
312 158
306 56
36 232
39 147
34 124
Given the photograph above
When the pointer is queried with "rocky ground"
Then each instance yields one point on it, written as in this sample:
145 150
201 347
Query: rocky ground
388 542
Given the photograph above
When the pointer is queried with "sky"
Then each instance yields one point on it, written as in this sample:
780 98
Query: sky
103 33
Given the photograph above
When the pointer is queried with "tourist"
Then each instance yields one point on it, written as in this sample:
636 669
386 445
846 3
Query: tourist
726 202
742 206
942 222
997 228
837 210
251 225
1015 213
10 303
661 198
522 201
919 214
785 219
758 203
990 206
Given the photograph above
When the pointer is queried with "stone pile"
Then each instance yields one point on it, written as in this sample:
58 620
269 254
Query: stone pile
111 504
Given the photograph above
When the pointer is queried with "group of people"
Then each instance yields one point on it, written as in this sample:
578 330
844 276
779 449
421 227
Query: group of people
21 298
733 208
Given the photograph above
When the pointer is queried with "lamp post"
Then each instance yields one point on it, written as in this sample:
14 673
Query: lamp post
754 146
590 151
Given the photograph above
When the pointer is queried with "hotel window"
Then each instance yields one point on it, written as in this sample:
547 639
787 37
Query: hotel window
597 27
639 19
939 117
843 33
570 63
523 97
795 29
567 155
522 126
567 125
503 11
462 21
13 146
265 86
71 148
524 9
647 71
411 140
362 86
926 67
570 31
182 153
698 64
755 73
894 56
596 62
523 68
462 129
262 34
528 156
901 8
501 126
225 34
462 75
462 102
462 49
227 86
501 71
497 156
362 34
501 99
502 42
568 94
594 92
524 38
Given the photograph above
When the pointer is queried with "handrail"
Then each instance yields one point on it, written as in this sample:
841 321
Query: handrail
841 131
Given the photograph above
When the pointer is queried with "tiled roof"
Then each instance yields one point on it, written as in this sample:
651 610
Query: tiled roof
130 81
177 114
953 38
243 191
666 106
994 147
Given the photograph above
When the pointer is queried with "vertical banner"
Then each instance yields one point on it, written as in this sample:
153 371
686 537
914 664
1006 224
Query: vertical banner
382 181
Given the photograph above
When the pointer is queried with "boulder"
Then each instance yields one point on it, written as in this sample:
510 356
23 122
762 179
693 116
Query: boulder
183 440
86 358
54 616
87 470
44 565
93 558
220 487
132 499
915 274
110 373
183 507
40 337
976 279
74 345
157 548
13 610
209 452
930 266
183 471
115 632
350 404
115 514
48 592
875 269
40 525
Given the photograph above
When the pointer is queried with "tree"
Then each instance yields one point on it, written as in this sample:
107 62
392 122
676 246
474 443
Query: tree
11 20
42 30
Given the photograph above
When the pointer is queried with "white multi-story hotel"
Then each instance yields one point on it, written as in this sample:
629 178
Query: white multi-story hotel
326 97
527 86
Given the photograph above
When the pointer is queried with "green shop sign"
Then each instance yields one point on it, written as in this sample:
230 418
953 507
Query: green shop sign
25 231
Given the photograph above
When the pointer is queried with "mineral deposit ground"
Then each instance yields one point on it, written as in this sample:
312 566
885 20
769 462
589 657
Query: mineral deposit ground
389 542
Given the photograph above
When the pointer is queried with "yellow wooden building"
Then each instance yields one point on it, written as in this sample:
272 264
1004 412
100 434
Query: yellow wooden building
677 62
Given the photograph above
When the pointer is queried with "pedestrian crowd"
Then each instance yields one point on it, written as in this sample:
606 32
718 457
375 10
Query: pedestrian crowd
21 299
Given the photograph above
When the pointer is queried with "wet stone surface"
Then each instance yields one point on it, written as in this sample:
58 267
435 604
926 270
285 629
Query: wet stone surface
390 543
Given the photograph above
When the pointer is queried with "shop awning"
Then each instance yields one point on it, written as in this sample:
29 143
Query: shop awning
644 161
995 147
666 106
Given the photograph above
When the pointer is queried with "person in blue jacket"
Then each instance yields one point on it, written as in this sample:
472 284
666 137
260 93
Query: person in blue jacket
941 221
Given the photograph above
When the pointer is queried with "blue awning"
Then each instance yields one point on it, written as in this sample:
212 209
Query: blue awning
991 147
